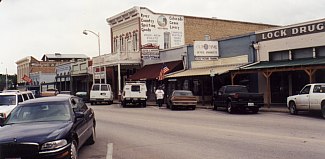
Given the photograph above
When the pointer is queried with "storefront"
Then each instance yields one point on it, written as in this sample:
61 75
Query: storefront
289 57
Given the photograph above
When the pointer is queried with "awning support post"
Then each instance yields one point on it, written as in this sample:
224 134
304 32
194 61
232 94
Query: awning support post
268 87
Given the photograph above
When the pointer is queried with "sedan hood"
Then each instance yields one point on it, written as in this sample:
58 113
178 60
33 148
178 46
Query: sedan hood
36 132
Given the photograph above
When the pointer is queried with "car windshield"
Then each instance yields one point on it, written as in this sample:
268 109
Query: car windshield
6 100
40 112
183 93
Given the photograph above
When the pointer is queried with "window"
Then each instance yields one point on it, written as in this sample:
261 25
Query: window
305 90
104 88
319 89
279 55
135 88
95 87
166 40
20 98
135 41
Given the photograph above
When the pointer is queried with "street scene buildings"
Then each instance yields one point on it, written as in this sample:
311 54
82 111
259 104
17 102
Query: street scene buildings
201 54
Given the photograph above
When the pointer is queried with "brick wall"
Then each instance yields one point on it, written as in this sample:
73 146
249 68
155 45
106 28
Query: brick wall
196 28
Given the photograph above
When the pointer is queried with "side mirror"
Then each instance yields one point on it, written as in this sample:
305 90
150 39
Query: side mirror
79 115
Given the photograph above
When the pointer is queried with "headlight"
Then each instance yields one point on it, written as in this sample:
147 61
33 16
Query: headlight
54 144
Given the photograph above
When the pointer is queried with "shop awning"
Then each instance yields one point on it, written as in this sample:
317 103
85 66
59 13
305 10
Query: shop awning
218 70
150 72
286 63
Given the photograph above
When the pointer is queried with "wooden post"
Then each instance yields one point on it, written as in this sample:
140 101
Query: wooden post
233 75
311 74
268 88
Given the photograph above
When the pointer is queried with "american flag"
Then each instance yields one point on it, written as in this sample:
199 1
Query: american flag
164 69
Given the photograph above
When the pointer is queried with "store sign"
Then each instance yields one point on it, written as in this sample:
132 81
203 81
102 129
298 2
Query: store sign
99 75
293 31
206 50
150 53
165 31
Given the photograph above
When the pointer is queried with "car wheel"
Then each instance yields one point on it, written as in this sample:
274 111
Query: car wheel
144 104
323 111
91 103
73 150
230 109
92 139
123 104
293 108
172 107
215 107
194 107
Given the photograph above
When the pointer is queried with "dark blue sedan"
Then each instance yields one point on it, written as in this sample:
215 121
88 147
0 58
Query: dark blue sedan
49 127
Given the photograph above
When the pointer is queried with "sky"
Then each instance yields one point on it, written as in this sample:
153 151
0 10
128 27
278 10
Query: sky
38 27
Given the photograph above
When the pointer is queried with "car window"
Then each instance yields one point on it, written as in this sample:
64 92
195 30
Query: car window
6 100
305 90
235 89
183 93
79 105
104 88
95 87
30 96
25 96
20 98
40 112
135 88
319 89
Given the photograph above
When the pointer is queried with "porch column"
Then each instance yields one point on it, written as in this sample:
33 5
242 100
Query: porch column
233 75
268 88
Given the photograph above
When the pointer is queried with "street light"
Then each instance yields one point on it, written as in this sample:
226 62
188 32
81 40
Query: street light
98 37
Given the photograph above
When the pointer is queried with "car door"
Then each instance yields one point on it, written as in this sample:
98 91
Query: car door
302 100
316 97
219 97
80 123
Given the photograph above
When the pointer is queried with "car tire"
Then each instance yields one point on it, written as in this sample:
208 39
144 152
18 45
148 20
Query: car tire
123 104
293 108
172 107
92 139
194 107
74 150
215 107
323 111
144 104
91 103
230 108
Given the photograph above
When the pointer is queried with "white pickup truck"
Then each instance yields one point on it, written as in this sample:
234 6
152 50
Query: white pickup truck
311 97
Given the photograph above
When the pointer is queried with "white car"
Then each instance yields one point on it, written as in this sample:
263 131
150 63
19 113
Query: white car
311 97
134 92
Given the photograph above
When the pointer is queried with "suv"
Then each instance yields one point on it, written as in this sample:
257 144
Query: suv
134 92
8 101
101 93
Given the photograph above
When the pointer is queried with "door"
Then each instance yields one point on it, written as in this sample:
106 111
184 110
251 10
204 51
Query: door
302 100
318 93
81 123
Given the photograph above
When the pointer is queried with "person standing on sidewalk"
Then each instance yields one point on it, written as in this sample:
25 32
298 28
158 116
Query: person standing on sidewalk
160 96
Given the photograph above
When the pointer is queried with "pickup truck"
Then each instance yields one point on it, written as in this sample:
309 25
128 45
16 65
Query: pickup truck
237 97
311 97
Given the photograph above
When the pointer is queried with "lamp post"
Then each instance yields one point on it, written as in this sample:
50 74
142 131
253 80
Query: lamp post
98 38
212 74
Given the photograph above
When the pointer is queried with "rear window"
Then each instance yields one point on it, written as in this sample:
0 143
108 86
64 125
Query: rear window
183 93
104 88
95 88
319 89
235 89
135 88
7 100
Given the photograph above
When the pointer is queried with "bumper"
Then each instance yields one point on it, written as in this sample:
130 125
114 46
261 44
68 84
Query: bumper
19 151
100 100
246 105
134 100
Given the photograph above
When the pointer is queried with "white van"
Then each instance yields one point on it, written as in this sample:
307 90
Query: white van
101 93
134 92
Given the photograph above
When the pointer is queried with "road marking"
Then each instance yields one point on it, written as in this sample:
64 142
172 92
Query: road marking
109 154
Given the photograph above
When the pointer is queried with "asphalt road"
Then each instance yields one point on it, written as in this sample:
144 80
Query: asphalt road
151 133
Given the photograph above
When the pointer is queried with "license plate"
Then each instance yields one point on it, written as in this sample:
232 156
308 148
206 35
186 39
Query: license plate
250 104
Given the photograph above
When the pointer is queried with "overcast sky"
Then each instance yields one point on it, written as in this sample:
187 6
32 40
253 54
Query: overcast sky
38 27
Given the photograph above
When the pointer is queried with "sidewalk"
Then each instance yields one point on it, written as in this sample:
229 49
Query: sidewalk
273 108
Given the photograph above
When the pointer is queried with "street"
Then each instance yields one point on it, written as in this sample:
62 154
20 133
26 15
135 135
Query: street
152 133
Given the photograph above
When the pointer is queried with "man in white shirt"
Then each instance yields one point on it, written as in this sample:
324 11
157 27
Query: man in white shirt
160 96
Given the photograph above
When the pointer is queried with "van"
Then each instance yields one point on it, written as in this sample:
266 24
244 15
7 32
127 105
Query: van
134 92
100 93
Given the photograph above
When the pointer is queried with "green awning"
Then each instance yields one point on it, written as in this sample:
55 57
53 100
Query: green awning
286 63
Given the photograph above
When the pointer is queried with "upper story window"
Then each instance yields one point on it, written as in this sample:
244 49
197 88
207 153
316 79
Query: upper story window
135 41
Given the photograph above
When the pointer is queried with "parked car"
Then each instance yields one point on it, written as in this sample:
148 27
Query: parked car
49 92
135 93
100 93
49 127
181 98
237 97
311 97
8 101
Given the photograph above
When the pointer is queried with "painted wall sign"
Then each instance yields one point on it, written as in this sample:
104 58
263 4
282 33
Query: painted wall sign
165 31
206 50
293 31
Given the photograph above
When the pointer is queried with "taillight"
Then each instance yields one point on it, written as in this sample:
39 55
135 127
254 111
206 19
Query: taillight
236 95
